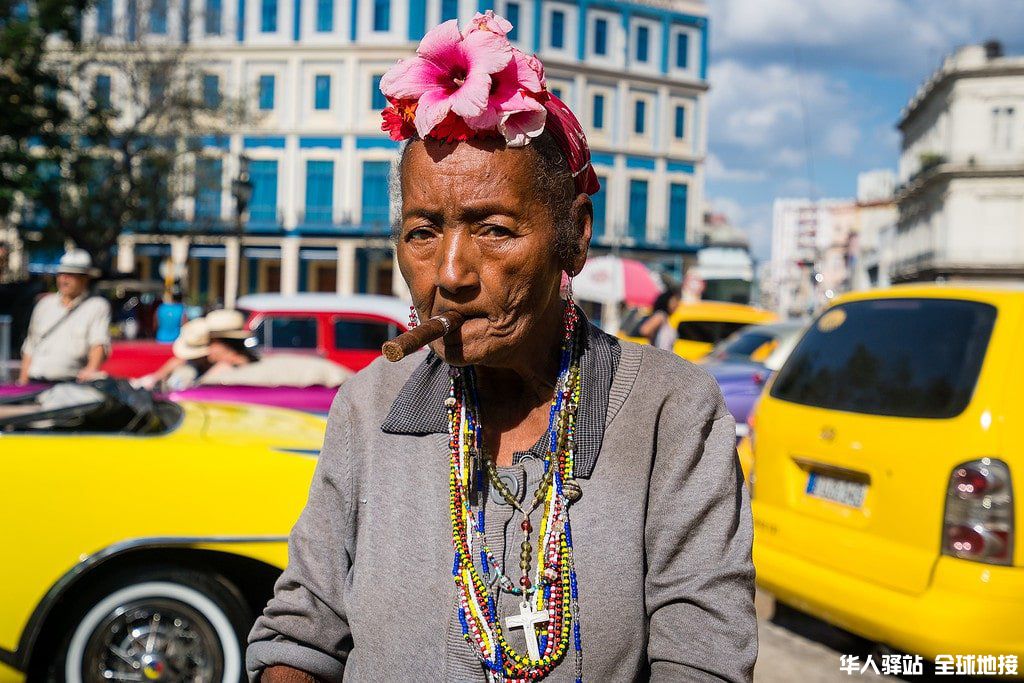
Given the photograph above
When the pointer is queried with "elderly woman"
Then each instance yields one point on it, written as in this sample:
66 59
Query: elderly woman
530 498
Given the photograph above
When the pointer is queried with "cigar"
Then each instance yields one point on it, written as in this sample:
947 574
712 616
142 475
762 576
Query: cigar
421 335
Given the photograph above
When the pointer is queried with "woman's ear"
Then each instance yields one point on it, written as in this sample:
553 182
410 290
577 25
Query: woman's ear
581 216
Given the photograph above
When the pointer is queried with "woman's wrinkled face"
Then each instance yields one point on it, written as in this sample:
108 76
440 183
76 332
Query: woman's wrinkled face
475 237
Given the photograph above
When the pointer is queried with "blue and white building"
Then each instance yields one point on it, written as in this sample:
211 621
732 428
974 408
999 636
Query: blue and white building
635 72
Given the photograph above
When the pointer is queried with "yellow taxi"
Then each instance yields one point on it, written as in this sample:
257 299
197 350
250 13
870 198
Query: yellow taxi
888 471
701 325
142 537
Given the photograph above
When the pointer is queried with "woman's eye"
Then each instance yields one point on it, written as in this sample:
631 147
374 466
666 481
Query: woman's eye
419 234
497 231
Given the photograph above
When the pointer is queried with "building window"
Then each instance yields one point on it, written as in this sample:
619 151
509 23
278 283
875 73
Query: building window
268 16
640 117
105 17
213 17
1003 122
677 199
643 43
101 91
638 209
209 174
558 29
512 14
598 111
600 36
682 50
211 91
680 122
266 92
381 15
600 207
325 16
158 17
157 87
263 206
449 9
556 91
376 203
319 192
377 99
322 92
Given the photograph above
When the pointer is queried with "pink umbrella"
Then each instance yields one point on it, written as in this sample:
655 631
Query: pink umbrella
611 279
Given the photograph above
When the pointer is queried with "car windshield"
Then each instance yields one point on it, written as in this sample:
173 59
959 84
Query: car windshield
898 357
104 406
742 344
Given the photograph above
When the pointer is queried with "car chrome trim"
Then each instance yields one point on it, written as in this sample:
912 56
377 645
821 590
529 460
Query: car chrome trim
19 659
311 452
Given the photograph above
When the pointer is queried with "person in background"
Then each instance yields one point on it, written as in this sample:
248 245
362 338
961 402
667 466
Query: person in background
657 327
228 336
69 332
169 317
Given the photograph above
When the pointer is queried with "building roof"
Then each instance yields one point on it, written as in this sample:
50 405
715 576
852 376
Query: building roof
323 302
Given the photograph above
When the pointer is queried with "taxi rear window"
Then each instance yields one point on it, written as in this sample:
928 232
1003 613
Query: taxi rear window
896 357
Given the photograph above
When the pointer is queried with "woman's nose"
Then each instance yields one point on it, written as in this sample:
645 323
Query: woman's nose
457 268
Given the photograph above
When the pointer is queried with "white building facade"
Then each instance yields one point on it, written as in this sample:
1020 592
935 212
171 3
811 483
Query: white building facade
961 198
634 72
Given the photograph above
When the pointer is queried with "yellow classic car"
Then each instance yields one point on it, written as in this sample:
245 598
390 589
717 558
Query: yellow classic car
700 325
143 536
888 471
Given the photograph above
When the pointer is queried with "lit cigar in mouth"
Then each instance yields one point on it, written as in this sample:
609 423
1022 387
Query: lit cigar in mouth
421 335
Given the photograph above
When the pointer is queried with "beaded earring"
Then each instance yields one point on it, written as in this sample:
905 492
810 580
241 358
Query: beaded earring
414 319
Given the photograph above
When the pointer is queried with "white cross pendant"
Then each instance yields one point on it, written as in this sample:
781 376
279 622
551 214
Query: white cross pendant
527 620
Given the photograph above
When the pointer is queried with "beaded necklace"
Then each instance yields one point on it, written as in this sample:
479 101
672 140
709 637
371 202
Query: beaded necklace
549 607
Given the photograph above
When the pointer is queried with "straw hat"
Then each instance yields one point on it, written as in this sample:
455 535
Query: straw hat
227 324
77 262
193 341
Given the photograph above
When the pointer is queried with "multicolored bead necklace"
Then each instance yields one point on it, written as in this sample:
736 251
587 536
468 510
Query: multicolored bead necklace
549 604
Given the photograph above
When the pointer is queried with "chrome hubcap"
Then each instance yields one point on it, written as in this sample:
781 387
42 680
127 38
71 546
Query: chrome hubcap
153 639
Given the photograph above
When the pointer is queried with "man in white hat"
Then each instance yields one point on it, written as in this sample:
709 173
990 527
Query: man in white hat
69 333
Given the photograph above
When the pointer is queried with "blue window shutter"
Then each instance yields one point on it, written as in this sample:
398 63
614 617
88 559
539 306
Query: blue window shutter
377 99
133 19
158 17
268 16
417 19
643 43
381 15
638 209
211 91
558 29
213 17
209 178
325 16
680 122
323 92
376 203
263 207
598 111
512 14
599 201
682 50
266 92
678 195
102 91
105 17
640 117
449 9
600 36
319 192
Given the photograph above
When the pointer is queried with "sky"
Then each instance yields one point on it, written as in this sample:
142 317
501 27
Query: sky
805 94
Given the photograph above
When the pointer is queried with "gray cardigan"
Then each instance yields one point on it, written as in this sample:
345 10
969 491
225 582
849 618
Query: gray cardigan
662 534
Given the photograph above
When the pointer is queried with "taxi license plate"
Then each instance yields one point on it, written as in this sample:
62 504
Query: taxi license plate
842 491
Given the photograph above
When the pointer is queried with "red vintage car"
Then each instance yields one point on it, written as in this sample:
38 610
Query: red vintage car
348 330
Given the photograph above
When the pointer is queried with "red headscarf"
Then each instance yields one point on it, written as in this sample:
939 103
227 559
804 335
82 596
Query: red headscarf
568 133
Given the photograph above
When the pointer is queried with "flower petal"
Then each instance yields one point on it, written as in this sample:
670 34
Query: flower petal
522 125
433 106
440 43
485 51
526 73
411 78
471 98
488 120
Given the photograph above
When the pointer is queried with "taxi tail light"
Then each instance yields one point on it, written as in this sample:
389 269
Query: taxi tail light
978 523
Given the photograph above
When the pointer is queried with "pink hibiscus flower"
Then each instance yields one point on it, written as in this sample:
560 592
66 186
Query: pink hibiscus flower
523 120
489 21
505 96
450 73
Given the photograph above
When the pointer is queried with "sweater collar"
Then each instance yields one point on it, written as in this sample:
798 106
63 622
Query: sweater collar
419 407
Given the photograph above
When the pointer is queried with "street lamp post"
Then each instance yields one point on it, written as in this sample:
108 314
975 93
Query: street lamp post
241 190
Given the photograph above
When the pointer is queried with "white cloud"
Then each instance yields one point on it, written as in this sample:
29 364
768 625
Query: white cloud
717 170
842 138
